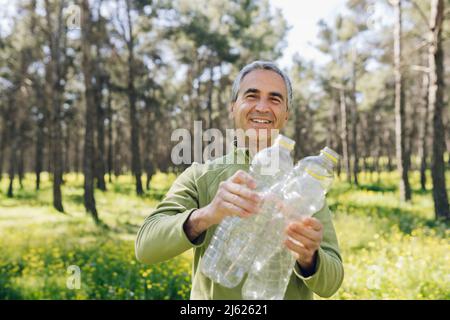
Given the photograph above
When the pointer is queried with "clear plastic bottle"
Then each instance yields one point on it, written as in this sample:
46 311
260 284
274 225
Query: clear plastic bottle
303 195
232 248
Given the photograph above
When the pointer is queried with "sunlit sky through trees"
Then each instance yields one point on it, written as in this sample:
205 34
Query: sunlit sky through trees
302 16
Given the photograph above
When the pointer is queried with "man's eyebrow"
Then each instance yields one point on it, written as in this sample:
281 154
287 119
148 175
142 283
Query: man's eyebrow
272 94
251 90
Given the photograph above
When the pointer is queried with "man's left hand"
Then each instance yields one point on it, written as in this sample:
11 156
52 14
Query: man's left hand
306 235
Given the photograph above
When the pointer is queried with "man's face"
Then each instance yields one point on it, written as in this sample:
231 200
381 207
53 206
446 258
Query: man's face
261 102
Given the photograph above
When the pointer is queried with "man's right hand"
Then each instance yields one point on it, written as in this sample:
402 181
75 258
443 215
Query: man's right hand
235 197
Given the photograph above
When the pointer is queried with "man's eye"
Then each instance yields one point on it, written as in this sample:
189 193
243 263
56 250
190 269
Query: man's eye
277 101
251 96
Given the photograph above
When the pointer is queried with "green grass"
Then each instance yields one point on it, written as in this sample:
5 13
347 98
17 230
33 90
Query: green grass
38 244
391 250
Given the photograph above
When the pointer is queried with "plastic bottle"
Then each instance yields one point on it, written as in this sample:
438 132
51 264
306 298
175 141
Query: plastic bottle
232 250
303 195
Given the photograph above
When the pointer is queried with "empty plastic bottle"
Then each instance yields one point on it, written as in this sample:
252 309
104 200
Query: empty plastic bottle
303 195
232 250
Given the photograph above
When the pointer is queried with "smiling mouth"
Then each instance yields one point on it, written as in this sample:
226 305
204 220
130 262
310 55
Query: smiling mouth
261 121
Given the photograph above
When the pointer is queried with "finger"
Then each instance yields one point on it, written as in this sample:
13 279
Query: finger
313 223
299 250
234 210
299 228
243 177
242 191
306 242
241 202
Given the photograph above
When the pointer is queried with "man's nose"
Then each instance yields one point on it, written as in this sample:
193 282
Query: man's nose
262 105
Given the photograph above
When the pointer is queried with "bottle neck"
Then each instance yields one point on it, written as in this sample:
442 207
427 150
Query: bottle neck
327 162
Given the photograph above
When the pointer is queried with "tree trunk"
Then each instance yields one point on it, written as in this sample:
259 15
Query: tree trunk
344 135
13 147
77 152
38 160
100 150
135 152
118 150
54 90
423 152
148 141
355 120
335 124
412 136
109 115
67 149
401 153
436 104
378 139
20 164
100 118
298 134
210 96
3 143
12 165
56 154
88 160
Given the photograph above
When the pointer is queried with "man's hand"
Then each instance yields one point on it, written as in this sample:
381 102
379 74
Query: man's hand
305 236
234 197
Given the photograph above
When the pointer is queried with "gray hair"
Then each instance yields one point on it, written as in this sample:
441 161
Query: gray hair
261 65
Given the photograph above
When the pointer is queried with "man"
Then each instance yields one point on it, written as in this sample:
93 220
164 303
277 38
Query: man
204 194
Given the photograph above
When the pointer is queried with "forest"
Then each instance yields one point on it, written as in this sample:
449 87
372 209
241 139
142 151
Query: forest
91 91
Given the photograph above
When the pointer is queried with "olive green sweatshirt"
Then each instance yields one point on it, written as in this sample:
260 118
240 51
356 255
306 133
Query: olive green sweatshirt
162 236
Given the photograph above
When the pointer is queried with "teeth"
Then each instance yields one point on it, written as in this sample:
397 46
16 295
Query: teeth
260 121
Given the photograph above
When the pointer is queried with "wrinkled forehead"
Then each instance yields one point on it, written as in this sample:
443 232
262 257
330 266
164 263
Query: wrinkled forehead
265 81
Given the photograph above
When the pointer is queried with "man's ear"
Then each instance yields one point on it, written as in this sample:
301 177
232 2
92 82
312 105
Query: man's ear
231 110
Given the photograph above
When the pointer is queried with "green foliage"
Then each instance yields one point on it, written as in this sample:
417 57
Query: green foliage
391 250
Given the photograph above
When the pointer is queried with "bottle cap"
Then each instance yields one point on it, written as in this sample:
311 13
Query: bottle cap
330 154
285 142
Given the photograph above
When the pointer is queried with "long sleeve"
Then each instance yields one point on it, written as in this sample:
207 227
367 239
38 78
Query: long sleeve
162 237
329 272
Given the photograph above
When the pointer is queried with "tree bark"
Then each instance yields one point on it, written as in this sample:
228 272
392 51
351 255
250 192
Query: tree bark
3 142
77 151
67 149
436 104
100 149
135 138
20 150
379 145
88 160
109 115
401 152
118 150
344 135
100 119
148 142
54 90
39 152
210 95
11 124
355 120
423 150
